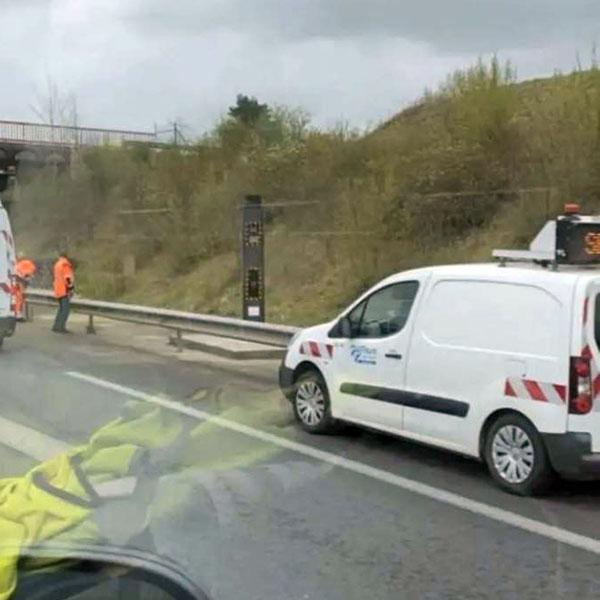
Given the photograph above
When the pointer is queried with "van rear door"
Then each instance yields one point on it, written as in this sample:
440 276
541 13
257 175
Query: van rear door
589 346
7 261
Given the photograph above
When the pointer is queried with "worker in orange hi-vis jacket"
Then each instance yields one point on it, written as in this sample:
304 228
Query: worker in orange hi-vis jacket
25 270
64 286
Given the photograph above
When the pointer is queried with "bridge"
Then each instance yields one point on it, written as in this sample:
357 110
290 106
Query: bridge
38 143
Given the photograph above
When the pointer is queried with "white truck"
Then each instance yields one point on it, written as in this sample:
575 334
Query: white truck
500 362
7 274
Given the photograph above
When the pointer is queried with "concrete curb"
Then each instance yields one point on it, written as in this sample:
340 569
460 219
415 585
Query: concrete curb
228 347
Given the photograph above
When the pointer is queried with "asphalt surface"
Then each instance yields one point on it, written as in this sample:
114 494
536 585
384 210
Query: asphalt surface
246 518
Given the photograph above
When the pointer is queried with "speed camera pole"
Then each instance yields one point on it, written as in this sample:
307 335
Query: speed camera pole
253 259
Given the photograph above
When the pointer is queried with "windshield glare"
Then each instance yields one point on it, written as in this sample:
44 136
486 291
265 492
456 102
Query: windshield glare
296 299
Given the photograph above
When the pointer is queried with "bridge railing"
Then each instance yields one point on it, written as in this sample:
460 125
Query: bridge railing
62 135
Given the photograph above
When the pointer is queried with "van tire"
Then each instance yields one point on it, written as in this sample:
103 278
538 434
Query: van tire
310 392
540 476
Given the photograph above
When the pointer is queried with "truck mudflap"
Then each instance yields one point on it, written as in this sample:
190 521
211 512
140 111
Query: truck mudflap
571 455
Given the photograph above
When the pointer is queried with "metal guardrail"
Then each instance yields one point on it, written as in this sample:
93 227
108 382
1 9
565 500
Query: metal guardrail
62 135
227 327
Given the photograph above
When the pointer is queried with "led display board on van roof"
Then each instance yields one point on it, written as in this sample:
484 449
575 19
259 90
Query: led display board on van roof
577 241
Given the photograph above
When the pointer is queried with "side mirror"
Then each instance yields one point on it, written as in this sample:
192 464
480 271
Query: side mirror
345 327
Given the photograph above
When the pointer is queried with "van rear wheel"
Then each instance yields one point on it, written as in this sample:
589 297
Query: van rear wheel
516 456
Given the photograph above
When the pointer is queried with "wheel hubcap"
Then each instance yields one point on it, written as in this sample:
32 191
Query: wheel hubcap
310 403
512 454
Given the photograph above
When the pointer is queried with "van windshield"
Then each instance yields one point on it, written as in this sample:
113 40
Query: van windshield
242 340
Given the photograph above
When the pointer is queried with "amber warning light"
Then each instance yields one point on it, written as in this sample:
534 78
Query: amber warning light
572 208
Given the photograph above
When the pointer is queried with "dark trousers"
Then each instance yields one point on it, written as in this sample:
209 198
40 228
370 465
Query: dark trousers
62 314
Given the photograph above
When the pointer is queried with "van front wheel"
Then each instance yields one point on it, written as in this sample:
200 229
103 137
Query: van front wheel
516 456
311 404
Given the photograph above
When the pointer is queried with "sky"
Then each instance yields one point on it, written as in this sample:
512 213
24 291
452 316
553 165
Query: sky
133 63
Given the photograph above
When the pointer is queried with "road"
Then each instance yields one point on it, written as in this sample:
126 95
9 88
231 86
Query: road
270 512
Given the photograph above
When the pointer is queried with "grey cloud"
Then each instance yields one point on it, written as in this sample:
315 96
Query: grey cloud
448 25
133 62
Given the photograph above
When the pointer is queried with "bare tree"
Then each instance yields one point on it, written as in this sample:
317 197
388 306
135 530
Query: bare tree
54 107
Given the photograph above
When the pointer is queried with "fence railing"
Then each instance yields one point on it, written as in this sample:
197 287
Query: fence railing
62 135
262 333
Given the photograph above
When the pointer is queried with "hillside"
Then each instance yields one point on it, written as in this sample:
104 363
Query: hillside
477 164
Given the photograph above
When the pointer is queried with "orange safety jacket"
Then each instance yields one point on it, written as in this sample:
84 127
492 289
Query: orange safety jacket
25 268
64 278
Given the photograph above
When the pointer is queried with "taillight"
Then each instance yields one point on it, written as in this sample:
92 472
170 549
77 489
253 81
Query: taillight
580 386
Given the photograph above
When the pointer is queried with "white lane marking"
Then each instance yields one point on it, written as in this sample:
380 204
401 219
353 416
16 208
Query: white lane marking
551 532
26 440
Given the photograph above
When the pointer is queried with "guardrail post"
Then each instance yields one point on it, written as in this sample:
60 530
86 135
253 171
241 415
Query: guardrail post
90 326
178 341
28 312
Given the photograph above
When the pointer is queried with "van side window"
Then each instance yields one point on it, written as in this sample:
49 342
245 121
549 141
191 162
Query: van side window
355 317
387 310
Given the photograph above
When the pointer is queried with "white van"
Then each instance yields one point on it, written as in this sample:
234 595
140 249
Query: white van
495 361
7 272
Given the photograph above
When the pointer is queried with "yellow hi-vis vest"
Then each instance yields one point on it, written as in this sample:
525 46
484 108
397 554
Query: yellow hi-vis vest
59 496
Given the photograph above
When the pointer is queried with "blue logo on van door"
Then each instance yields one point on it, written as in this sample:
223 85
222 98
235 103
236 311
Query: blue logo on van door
363 355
